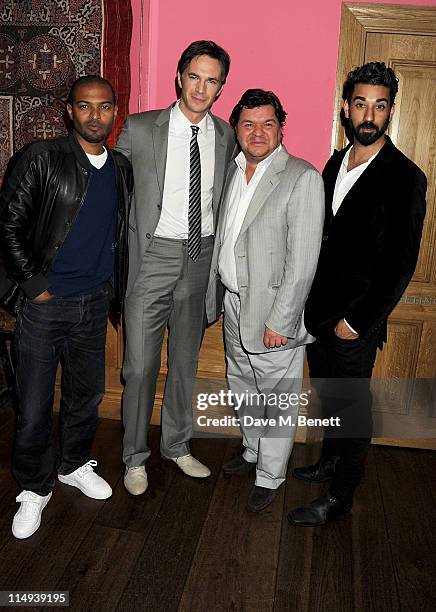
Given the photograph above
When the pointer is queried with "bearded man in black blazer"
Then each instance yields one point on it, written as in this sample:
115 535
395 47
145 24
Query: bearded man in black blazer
375 208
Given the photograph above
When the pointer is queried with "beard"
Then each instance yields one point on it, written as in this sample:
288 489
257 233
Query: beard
368 138
93 137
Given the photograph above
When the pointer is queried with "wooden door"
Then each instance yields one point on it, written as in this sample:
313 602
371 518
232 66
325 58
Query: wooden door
404 37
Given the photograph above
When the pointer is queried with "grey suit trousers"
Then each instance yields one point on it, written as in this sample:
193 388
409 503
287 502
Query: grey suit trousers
168 291
277 374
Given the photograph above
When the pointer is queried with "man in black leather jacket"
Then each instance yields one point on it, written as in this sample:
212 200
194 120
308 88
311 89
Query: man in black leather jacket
63 218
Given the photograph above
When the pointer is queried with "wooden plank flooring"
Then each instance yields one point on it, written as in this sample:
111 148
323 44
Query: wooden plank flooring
189 545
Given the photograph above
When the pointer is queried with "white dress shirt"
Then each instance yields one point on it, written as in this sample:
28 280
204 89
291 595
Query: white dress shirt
344 182
241 194
173 222
346 179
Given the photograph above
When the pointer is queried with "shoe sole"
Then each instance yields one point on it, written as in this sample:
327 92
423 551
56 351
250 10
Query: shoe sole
342 516
182 470
19 537
131 492
193 475
257 510
64 480
260 509
315 481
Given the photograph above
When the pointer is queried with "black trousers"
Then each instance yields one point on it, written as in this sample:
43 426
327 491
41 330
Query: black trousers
71 330
340 371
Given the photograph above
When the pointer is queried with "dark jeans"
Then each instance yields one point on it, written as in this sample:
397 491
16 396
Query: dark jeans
71 330
341 373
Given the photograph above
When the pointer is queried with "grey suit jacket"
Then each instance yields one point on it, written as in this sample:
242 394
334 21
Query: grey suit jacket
276 252
144 141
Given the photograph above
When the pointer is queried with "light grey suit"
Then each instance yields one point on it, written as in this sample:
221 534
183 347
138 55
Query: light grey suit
164 288
276 255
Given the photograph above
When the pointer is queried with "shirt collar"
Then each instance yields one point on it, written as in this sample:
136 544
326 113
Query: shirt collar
182 124
99 156
241 161
344 164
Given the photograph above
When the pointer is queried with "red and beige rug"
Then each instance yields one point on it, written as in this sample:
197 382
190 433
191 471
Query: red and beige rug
44 46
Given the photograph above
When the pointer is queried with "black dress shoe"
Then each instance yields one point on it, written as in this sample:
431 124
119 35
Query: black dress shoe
238 465
320 472
260 498
319 512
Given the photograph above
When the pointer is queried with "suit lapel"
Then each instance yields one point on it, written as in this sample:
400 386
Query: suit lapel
329 175
266 186
220 160
160 145
367 179
226 194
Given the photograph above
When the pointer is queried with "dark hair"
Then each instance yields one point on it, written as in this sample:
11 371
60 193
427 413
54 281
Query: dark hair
258 97
373 73
89 80
205 47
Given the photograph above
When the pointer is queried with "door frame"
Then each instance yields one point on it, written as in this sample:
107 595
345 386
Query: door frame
359 20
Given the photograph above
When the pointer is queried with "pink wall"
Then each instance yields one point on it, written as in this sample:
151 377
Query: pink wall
287 46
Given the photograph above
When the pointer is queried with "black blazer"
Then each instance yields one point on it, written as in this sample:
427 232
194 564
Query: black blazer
370 247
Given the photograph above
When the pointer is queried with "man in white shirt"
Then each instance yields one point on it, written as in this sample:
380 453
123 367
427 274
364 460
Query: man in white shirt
265 258
178 155
375 207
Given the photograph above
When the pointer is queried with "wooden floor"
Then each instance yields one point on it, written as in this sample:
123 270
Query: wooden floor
189 545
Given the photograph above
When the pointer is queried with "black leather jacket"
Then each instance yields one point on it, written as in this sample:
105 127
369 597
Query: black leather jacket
43 190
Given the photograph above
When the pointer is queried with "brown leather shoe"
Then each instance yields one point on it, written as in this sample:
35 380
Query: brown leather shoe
238 465
260 498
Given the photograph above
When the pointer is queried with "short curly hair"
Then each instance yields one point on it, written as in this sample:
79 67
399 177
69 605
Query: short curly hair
253 98
373 73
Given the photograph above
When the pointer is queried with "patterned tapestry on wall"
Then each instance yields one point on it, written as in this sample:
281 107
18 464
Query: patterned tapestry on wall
44 46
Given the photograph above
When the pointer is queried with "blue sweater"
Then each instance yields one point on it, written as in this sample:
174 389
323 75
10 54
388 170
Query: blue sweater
86 260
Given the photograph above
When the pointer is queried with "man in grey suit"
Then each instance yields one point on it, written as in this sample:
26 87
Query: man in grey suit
265 256
179 155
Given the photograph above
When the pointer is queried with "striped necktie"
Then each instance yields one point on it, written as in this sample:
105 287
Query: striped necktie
194 211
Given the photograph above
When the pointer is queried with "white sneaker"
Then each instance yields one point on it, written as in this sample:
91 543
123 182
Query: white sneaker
135 480
90 483
191 466
28 518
